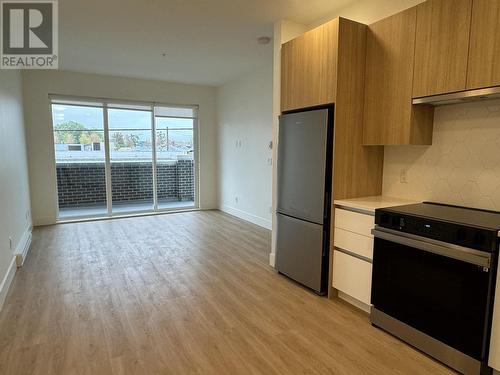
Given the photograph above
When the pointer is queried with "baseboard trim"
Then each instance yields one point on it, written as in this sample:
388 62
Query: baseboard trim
43 221
23 247
353 301
257 220
272 259
7 281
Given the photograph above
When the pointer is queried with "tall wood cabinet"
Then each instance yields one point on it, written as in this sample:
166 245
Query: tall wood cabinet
357 168
441 46
484 53
327 66
389 116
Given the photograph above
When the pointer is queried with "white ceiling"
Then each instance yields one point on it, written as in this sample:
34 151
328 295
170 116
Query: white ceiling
205 41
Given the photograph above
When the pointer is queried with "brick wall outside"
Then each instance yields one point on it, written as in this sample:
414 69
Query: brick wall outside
81 184
185 179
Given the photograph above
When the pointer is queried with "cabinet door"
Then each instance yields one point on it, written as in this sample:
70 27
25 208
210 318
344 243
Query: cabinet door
441 48
309 67
389 117
484 53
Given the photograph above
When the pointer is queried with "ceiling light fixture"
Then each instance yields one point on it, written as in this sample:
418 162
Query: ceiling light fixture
264 40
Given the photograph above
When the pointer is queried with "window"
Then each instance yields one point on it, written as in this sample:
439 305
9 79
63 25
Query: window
123 157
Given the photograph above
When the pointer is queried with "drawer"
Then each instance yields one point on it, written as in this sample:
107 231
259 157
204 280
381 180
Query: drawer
353 242
354 221
352 276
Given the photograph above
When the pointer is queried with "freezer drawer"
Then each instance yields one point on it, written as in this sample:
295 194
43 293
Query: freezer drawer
299 253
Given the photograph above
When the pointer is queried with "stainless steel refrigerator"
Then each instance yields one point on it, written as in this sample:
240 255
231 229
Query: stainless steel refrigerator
305 161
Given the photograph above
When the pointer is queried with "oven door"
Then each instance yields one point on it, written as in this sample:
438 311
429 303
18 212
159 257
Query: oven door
438 289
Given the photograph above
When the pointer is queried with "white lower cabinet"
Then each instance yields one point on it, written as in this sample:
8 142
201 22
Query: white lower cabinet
352 256
352 276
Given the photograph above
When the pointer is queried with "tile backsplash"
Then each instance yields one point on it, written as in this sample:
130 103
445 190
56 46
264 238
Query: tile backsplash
461 167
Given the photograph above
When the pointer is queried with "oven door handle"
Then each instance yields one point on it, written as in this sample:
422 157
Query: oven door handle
461 253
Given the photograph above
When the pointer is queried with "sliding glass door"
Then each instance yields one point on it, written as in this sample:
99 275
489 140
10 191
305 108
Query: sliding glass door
175 157
80 159
131 158
118 158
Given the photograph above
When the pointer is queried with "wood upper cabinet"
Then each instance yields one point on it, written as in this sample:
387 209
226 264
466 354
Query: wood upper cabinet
309 68
484 52
442 45
389 117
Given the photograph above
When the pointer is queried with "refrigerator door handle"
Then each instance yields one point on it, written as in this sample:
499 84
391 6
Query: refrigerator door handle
326 204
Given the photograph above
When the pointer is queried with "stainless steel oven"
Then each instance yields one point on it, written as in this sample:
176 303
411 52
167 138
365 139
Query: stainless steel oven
434 294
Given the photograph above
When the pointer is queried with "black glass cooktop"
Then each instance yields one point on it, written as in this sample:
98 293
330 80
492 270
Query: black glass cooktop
470 217
474 228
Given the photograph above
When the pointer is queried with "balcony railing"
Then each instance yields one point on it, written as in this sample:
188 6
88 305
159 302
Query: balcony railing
83 183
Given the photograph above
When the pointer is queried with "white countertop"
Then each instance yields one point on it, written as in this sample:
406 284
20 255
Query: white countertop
372 203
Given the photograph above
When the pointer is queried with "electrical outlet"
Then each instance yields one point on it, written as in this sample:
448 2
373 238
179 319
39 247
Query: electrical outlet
403 177
10 243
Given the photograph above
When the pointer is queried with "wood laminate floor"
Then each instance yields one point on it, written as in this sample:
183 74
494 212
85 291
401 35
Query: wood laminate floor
188 293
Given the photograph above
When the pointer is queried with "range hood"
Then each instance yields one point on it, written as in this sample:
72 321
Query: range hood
460 97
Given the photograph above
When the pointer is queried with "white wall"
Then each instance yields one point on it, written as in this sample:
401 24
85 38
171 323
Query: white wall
245 116
15 221
38 85
369 11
